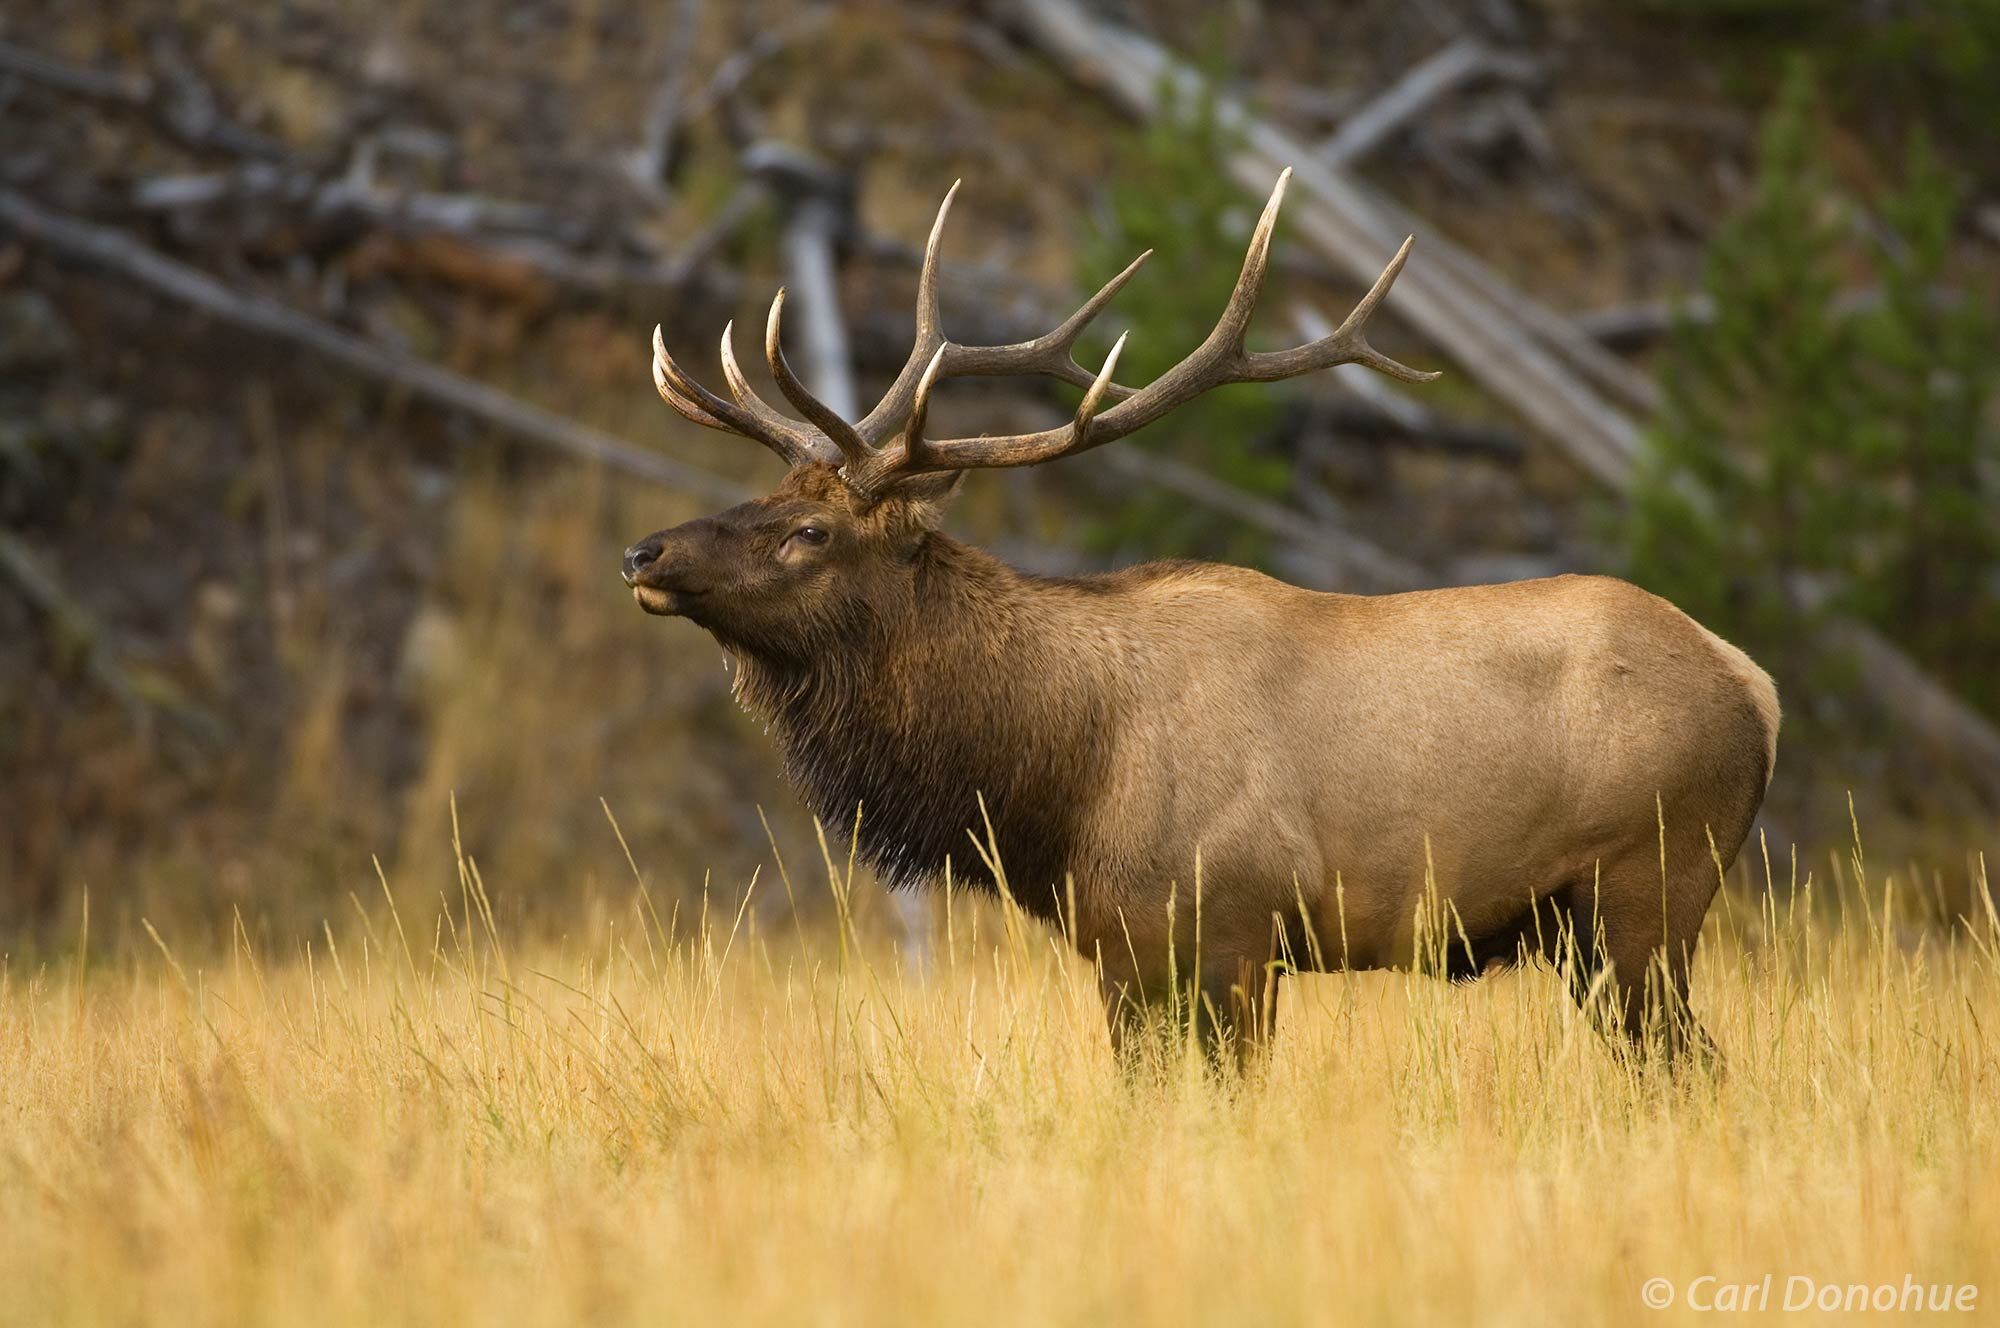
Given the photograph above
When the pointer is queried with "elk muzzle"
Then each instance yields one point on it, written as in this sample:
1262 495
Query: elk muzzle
660 571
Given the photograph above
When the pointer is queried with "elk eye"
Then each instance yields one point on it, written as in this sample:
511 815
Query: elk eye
810 534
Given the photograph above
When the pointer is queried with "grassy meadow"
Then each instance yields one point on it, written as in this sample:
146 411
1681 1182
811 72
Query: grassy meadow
284 617
719 1112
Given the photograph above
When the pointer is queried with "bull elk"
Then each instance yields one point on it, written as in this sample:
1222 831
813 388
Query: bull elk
1554 758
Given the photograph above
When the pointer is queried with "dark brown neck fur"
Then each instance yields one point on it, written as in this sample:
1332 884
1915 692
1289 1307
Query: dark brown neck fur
970 687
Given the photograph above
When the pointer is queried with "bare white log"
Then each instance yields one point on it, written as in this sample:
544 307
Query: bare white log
517 232
351 194
815 215
806 245
1419 88
1632 389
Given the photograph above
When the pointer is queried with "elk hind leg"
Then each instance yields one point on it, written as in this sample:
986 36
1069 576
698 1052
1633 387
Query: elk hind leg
1626 944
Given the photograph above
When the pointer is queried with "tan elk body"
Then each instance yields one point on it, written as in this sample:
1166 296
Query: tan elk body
1565 759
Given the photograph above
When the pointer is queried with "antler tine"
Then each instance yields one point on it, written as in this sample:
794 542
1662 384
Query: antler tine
1226 340
1086 411
916 454
1073 326
1221 358
929 326
913 432
682 405
1346 344
679 389
823 416
811 447
880 423
1052 353
1049 354
870 459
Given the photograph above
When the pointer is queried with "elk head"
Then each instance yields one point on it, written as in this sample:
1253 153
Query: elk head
833 547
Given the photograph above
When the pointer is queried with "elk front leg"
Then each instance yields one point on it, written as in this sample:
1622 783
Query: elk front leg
1231 1011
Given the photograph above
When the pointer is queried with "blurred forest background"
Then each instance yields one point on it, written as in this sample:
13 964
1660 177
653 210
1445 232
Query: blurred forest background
325 410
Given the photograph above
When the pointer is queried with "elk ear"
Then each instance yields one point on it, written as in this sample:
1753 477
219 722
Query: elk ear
922 499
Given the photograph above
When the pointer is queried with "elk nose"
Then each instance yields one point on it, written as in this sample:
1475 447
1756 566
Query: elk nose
638 558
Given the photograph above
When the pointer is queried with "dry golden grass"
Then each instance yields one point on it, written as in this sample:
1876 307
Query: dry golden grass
706 1117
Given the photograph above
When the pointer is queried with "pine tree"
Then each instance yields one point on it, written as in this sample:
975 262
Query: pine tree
1168 196
1930 369
1744 479
1801 444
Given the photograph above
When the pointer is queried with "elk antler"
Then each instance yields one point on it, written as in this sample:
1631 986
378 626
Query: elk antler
890 440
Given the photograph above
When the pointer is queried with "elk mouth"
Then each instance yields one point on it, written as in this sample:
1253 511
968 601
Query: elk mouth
664 603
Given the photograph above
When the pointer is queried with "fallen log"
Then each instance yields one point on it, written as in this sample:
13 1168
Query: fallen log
117 252
1324 557
1382 403
1415 91
1487 338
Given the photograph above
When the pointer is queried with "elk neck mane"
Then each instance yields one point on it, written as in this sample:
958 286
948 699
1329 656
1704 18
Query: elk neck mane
977 684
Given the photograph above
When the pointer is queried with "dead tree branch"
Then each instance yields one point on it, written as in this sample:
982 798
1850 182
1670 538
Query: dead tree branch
646 165
117 252
816 201
1420 87
174 96
733 72
76 80
508 230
